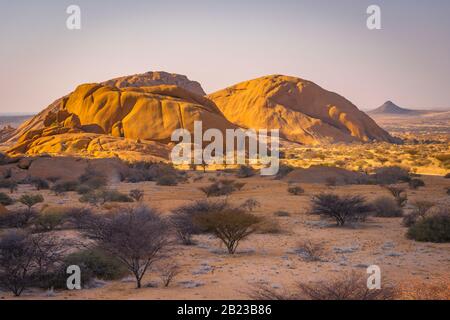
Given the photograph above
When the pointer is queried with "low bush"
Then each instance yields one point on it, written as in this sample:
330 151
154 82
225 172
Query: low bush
400 195
447 176
103 196
420 209
269 226
432 228
38 183
25 260
30 200
223 187
5 199
416 183
183 218
245 172
342 209
391 175
281 213
9 184
167 180
98 264
93 179
386 207
296 190
17 218
49 220
230 226
310 251
65 186
137 195
250 205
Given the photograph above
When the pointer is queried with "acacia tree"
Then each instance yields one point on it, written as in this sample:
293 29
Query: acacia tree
30 200
230 226
136 236
25 258
342 209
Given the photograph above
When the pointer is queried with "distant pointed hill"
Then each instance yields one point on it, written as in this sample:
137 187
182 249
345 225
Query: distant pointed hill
390 108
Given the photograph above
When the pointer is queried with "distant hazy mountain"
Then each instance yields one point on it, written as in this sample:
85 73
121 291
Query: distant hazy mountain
390 108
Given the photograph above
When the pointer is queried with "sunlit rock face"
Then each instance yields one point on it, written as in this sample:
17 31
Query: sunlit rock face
303 111
144 113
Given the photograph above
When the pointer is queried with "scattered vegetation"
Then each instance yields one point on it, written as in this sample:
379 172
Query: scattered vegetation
433 227
386 207
5 199
65 186
245 172
183 218
25 259
342 209
250 205
137 195
230 226
9 184
281 213
223 187
17 218
168 272
96 263
420 209
135 236
391 175
296 190
31 200
310 251
347 287
100 197
416 183
400 195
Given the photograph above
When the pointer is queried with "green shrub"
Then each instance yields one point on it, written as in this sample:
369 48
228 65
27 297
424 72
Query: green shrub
183 217
296 190
386 207
31 200
432 228
49 221
230 226
5 199
98 263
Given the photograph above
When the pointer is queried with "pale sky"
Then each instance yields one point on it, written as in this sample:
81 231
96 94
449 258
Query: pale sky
221 43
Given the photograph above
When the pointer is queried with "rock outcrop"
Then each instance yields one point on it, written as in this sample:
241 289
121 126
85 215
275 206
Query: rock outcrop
127 119
303 111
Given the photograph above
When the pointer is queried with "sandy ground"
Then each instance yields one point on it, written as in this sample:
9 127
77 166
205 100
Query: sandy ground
209 273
